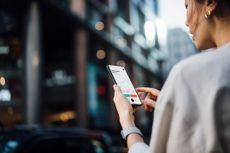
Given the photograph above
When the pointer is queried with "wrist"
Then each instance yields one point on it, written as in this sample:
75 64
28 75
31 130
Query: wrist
127 121
127 124
134 135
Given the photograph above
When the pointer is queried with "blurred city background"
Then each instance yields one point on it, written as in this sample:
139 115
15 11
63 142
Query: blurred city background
53 57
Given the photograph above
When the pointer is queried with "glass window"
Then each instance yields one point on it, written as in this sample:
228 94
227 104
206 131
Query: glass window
11 66
123 9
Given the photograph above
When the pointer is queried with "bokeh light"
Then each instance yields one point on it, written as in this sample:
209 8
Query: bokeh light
100 54
2 81
99 25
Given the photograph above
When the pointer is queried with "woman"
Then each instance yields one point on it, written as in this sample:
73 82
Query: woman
192 111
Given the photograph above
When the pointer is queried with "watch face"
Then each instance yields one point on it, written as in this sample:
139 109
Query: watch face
7 22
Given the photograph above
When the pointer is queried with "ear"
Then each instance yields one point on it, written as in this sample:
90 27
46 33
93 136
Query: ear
211 5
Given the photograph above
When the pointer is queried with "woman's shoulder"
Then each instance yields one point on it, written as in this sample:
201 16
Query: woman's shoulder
213 63
205 59
191 64
196 60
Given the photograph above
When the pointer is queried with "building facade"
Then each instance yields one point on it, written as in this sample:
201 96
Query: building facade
54 55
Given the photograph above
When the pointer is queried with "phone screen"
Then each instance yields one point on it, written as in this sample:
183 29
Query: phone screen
121 78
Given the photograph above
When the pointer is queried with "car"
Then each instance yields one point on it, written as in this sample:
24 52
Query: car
54 140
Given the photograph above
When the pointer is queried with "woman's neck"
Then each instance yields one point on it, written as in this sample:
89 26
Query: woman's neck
222 32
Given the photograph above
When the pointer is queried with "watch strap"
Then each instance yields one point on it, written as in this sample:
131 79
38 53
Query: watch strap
127 131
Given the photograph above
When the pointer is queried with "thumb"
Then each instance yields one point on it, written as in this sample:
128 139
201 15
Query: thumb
117 89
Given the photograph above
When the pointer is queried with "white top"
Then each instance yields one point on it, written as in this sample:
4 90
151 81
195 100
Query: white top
192 113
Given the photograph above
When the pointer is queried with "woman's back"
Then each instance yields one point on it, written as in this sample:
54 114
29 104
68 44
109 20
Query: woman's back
200 103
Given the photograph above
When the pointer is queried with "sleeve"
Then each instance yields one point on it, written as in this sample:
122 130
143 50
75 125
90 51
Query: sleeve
162 119
163 113
139 147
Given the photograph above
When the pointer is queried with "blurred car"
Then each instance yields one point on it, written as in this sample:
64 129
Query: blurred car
54 140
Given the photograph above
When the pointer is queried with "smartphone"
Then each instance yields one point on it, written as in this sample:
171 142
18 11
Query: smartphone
121 78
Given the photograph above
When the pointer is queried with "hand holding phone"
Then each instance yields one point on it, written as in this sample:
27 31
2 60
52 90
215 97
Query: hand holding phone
122 79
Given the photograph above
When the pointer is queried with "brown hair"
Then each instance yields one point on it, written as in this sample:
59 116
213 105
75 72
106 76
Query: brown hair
223 7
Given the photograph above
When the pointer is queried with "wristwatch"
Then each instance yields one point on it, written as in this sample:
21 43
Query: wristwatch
127 131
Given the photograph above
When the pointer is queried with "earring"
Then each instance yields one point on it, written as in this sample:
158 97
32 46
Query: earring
207 14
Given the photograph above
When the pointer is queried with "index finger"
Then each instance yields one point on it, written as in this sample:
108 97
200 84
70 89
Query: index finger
149 90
